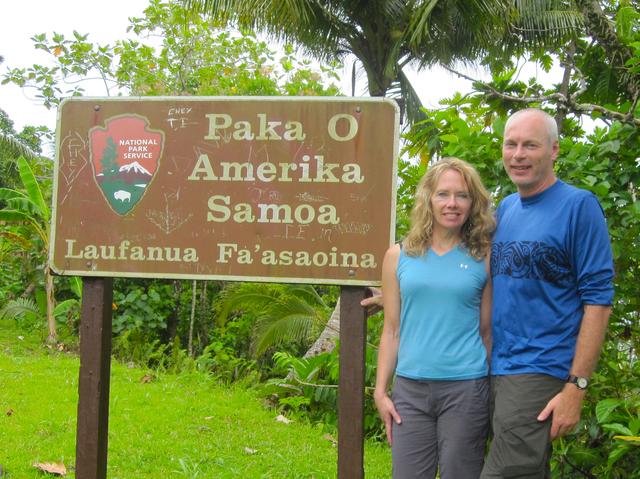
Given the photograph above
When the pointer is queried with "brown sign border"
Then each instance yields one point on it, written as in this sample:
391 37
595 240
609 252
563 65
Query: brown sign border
306 280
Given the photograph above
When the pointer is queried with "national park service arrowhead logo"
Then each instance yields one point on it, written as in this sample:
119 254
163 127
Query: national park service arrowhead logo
125 155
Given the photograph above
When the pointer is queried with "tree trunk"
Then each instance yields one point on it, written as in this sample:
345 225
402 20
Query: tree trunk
204 317
52 338
172 320
27 292
192 318
602 29
327 339
561 112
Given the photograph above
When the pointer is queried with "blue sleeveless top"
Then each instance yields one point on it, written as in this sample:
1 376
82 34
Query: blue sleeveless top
440 316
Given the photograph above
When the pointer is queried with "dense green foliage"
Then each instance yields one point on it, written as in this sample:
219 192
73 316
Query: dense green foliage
310 388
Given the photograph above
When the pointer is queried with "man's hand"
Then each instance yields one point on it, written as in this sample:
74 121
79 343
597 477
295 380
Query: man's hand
388 413
373 302
565 408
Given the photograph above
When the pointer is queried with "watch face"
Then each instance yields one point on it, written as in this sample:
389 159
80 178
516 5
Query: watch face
582 383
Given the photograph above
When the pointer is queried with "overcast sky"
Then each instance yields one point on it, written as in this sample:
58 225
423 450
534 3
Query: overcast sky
20 20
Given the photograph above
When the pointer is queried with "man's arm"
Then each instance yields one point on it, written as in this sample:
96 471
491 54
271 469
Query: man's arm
372 301
567 404
485 311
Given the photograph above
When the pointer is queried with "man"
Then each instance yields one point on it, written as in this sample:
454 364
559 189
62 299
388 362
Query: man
552 272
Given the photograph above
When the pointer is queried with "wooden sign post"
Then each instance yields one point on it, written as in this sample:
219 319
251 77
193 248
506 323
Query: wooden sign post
353 341
93 385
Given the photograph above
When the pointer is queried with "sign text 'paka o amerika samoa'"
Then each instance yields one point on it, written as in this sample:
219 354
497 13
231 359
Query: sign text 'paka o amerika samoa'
238 188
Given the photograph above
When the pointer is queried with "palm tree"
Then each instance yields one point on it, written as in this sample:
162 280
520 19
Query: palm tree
384 35
285 314
388 35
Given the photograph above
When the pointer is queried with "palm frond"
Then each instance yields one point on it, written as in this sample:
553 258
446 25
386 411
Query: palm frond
410 101
291 328
268 300
290 305
444 32
15 146
309 293
19 308
421 22
539 21
283 313
235 298
309 24
605 83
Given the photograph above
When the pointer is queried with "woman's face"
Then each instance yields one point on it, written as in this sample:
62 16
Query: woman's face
450 202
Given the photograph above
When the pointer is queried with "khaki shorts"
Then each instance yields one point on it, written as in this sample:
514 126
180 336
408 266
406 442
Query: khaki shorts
521 445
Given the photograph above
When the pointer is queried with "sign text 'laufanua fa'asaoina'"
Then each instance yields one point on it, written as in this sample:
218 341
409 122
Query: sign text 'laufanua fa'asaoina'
243 188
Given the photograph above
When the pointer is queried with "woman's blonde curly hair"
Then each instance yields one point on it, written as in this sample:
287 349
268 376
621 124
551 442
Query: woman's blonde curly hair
476 232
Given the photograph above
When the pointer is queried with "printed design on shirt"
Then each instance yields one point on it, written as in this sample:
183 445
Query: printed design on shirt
530 260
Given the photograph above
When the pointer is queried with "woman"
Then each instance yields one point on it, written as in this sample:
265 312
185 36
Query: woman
436 293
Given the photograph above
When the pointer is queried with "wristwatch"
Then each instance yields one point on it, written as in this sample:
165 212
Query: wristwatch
579 381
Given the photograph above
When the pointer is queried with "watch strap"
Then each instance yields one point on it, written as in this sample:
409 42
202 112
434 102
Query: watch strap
580 381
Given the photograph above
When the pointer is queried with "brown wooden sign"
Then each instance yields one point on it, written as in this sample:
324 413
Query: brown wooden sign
239 188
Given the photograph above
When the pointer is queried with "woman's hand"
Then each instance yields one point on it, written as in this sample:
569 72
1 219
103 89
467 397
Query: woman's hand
387 412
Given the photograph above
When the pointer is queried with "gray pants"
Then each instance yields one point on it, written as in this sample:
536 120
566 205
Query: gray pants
444 423
521 445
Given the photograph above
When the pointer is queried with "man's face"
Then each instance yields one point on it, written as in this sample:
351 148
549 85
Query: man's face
528 154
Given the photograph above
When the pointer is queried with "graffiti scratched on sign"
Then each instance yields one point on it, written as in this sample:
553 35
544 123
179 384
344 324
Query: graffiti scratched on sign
238 188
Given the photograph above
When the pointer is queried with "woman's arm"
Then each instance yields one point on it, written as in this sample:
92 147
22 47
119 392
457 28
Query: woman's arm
389 341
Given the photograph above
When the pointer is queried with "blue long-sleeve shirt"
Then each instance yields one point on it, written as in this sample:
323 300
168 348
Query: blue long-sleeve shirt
551 255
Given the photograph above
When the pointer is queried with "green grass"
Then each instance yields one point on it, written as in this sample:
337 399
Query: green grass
176 426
